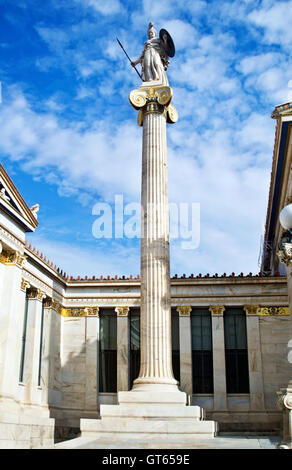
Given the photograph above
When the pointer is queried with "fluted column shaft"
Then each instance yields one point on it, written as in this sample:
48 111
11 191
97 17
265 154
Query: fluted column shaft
156 362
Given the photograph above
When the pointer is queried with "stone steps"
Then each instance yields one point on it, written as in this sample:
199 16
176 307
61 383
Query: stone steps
138 426
158 411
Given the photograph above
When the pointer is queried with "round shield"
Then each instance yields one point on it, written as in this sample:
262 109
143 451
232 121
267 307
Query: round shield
167 42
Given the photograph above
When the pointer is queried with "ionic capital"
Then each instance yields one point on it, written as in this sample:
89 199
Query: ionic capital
184 310
153 100
122 311
217 310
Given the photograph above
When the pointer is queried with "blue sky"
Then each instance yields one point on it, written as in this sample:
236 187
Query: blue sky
69 136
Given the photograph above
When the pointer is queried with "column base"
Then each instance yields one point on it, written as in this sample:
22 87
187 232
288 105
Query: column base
147 414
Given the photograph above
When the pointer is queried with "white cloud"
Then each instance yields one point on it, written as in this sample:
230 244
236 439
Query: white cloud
259 63
276 20
108 7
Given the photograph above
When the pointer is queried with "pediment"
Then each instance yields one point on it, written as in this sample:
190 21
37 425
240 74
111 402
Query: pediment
13 203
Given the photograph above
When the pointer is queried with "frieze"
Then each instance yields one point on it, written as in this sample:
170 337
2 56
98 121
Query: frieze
8 237
274 311
102 302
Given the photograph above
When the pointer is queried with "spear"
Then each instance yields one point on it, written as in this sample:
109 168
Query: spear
128 57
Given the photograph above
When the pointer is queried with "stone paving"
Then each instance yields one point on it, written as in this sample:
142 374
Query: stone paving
219 442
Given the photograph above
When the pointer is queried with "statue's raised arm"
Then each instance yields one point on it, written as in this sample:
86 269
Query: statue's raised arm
154 59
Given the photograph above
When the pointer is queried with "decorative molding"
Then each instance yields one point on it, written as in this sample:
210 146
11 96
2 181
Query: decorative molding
251 309
73 312
274 311
80 312
184 310
102 302
282 110
39 284
122 311
217 309
9 237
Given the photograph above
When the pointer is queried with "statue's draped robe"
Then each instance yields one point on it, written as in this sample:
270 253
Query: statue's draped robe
152 60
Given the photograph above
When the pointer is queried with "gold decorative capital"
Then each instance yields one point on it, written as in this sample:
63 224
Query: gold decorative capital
251 309
40 295
24 285
184 310
217 309
48 302
13 258
122 311
56 306
73 312
92 311
153 100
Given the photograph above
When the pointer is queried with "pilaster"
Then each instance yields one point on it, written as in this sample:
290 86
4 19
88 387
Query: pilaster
12 306
185 346
123 352
92 363
33 350
219 369
256 385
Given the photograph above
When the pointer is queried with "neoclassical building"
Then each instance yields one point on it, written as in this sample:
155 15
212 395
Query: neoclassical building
68 344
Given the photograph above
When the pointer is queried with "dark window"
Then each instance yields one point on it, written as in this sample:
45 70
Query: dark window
237 380
134 344
175 344
108 351
202 351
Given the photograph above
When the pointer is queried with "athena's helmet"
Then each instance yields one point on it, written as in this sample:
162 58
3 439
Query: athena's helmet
152 29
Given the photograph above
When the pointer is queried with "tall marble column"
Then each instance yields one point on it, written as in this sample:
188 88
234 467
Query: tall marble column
156 361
